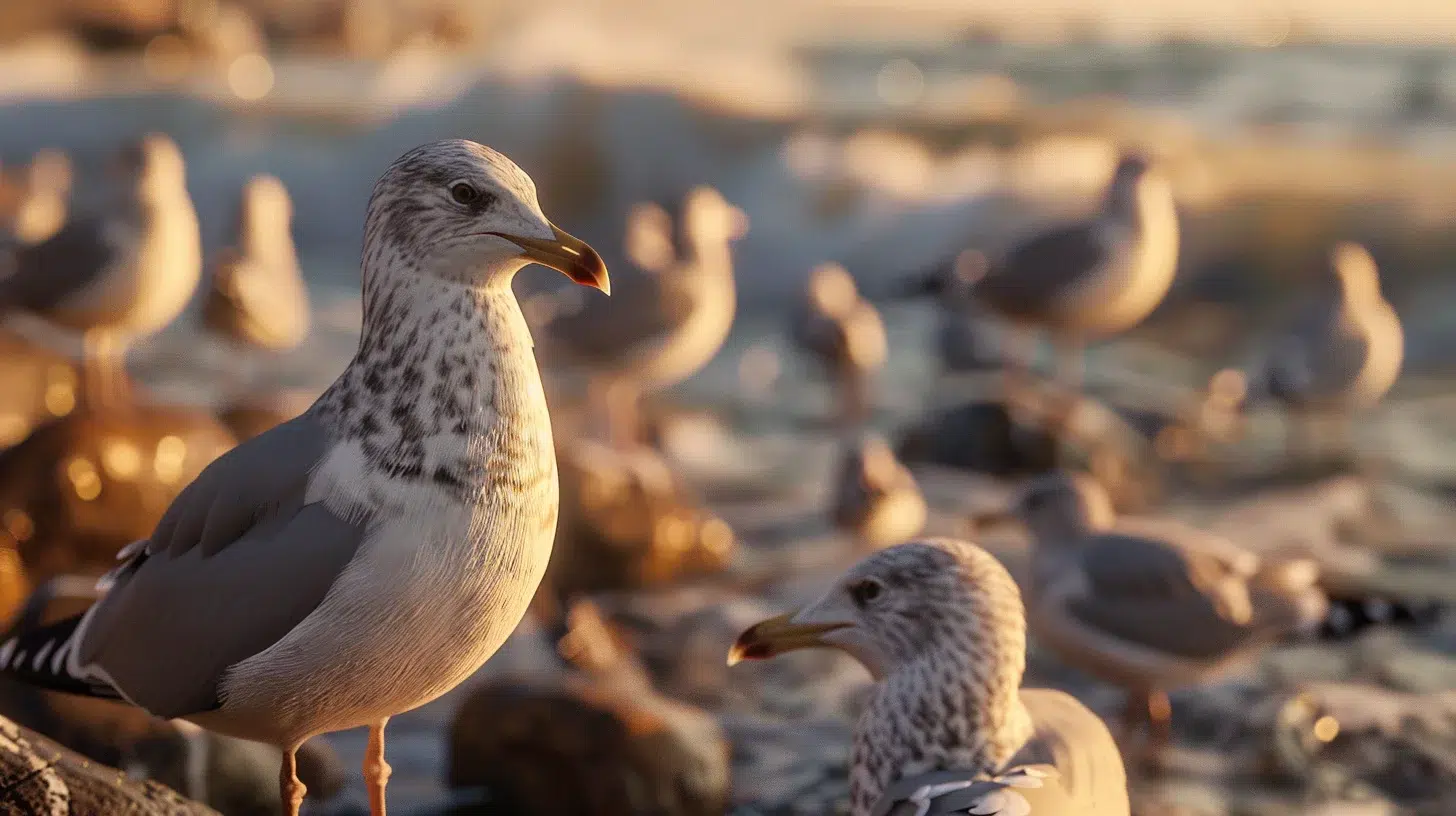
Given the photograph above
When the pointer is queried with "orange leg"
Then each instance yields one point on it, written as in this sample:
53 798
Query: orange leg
290 789
376 770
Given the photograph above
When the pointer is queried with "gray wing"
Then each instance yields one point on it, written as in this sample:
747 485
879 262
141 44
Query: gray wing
1070 767
643 307
1032 275
41 276
235 564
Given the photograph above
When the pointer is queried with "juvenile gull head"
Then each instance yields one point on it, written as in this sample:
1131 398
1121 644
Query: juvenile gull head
939 623
256 293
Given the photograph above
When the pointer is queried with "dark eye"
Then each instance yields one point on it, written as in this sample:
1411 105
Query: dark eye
464 194
864 591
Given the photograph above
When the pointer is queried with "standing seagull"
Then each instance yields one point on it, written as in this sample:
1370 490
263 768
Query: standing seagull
875 497
1342 354
124 272
949 730
844 333
1148 604
364 558
674 318
256 295
1090 279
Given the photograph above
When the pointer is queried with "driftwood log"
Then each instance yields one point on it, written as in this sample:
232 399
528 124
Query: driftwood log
40 778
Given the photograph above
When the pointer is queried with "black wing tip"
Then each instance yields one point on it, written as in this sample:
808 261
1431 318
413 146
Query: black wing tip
39 657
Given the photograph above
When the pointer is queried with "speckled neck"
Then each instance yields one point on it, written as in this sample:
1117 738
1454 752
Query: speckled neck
955 708
443 386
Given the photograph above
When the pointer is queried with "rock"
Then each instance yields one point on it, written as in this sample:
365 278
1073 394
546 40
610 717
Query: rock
84 486
627 522
595 740
38 777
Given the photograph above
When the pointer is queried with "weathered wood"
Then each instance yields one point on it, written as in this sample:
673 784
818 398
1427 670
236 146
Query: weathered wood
40 778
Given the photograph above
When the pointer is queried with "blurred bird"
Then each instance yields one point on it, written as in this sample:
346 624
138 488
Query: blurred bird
1089 279
1341 355
122 272
255 295
1149 604
875 497
664 325
965 339
1211 417
949 730
844 333
34 202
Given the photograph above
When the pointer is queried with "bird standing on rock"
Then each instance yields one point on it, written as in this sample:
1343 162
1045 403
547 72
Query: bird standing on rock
124 272
1091 279
949 730
663 325
367 556
844 333
256 295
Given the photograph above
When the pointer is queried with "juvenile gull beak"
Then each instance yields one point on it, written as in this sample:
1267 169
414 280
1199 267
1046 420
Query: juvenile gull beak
566 254
778 635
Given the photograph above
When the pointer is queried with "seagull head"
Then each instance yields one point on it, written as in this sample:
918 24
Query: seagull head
1356 272
1059 505
152 166
462 212
925 599
708 218
1135 180
265 200
831 290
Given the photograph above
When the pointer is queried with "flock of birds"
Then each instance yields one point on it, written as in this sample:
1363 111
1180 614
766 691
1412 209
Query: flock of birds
368 555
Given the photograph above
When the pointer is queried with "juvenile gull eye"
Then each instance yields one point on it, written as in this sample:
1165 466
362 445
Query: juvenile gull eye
463 193
864 591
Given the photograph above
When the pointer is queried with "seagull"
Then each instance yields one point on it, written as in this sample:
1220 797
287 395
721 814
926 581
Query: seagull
367 556
844 333
123 272
876 497
1090 279
949 730
33 205
1149 604
674 317
256 295
1342 354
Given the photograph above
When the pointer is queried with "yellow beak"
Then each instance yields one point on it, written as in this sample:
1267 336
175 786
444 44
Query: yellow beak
778 635
566 254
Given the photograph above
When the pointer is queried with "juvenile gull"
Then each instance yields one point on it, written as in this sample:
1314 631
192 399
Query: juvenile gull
1341 354
1149 604
663 325
844 334
1093 278
875 497
256 295
949 730
364 558
123 272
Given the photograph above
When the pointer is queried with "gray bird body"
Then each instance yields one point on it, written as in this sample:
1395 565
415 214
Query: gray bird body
256 295
665 323
364 558
129 270
1344 351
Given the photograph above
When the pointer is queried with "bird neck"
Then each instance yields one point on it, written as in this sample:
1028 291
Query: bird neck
441 367
957 708
1141 206
265 237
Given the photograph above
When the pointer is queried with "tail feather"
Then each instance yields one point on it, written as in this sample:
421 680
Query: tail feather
39 654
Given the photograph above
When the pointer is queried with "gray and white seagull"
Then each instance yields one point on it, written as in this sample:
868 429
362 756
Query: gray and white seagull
366 557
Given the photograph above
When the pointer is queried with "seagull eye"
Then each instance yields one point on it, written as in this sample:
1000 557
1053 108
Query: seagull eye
864 591
464 194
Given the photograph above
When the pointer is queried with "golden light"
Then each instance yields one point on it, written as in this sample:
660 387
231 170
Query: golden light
13 428
121 459
1326 728
60 398
171 453
250 77
84 479
18 524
